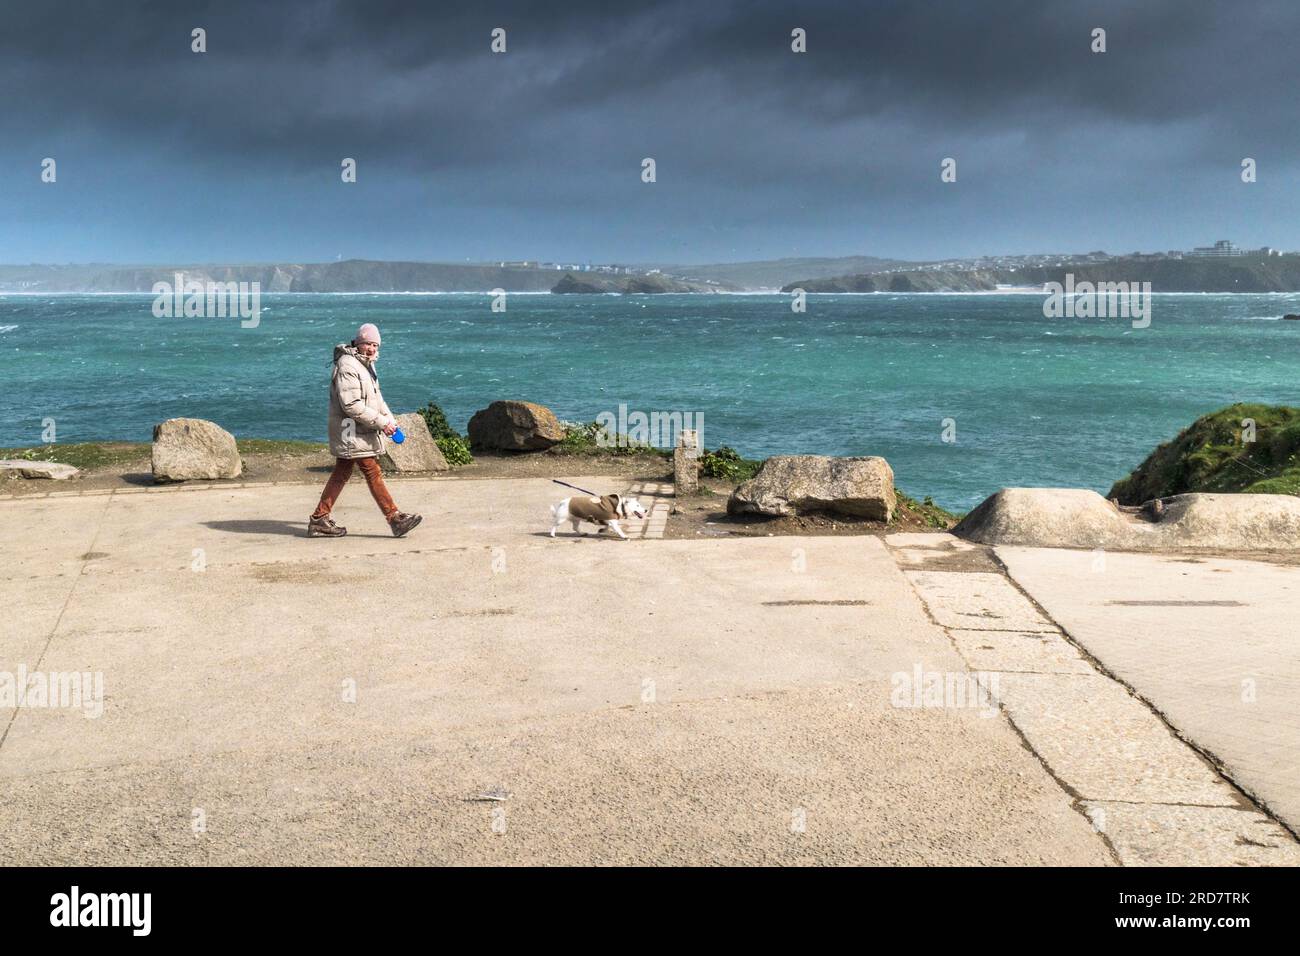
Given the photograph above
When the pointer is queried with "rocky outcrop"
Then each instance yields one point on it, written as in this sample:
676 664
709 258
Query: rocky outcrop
37 469
1249 273
591 282
795 484
514 426
418 452
1242 448
572 285
1292 317
192 448
916 281
1082 519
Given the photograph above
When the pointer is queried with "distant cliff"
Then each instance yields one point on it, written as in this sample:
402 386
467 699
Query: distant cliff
1237 274
774 273
352 275
925 281
589 282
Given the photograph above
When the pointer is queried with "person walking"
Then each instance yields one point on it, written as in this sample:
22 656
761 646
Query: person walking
359 418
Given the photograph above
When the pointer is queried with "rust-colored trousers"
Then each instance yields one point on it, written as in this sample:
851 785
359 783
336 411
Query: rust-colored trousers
339 478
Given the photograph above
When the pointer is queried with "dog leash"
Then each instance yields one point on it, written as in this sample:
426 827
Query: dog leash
575 487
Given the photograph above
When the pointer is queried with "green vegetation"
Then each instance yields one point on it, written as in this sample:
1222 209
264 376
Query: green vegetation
592 438
454 446
725 463
581 438
454 449
84 455
1215 453
925 510
89 456
268 446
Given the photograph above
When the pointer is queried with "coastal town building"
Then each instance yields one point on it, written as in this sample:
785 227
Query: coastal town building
1224 247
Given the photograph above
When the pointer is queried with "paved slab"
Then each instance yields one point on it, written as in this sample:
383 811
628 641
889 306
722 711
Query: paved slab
1211 643
1151 835
657 497
1032 652
1105 745
978 602
479 692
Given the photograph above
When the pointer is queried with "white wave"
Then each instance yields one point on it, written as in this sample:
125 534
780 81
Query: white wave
7 328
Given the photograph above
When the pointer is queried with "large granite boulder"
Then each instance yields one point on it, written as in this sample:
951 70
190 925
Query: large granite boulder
1078 518
189 448
514 426
37 469
795 484
418 453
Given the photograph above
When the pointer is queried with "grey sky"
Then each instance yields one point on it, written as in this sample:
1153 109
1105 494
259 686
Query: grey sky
233 155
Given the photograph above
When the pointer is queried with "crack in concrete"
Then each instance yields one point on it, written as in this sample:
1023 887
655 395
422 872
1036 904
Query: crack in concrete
49 639
1210 759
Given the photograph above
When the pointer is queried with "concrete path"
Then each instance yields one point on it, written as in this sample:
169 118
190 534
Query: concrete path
1156 800
1213 644
482 693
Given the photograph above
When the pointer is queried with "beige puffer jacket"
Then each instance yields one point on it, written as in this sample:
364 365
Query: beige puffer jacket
357 408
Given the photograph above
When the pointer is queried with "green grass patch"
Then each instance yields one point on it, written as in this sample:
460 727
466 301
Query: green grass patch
1216 454
89 456
926 510
275 446
83 455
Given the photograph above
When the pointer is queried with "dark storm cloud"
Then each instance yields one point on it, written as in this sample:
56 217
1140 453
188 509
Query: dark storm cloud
711 89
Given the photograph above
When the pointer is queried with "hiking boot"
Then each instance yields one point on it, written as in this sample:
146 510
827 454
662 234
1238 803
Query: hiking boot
401 523
324 528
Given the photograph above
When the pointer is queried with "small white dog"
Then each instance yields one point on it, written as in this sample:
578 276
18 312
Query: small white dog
604 511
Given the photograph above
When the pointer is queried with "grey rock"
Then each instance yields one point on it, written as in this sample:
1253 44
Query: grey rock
793 484
418 453
192 448
1078 518
514 426
37 469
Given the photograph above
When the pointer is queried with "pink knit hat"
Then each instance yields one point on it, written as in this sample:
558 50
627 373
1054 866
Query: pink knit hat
367 333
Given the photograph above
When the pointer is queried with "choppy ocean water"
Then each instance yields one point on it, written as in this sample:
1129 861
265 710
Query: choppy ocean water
1033 401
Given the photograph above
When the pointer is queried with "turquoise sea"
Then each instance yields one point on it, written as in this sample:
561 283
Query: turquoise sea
1035 401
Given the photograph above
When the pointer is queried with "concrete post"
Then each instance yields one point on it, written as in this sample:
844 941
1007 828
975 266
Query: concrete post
686 462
